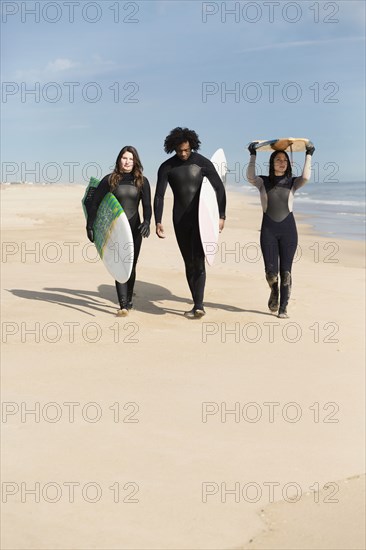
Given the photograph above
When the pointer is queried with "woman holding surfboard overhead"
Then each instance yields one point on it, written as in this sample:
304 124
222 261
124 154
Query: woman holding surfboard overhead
278 232
185 172
130 187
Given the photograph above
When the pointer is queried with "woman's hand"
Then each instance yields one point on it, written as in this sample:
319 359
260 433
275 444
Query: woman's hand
251 148
90 234
310 148
144 229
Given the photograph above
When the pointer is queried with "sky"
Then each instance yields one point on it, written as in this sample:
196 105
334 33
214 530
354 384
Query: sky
81 79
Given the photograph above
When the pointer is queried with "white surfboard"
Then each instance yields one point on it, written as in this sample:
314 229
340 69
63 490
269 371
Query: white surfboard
112 234
218 159
283 144
208 211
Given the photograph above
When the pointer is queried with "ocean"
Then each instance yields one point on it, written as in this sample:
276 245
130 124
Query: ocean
332 209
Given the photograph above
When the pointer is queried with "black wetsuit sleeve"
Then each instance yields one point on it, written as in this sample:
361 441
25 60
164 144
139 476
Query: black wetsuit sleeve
146 201
161 186
100 193
211 174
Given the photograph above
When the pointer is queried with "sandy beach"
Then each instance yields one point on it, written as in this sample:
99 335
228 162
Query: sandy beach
236 431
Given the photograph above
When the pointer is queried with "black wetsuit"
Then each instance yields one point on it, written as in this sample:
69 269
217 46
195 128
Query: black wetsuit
278 232
129 196
185 178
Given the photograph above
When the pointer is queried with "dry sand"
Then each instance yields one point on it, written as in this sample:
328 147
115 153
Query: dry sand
239 430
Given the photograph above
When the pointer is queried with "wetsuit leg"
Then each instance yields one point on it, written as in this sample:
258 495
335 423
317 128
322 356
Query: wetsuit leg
287 251
272 280
189 242
125 290
285 290
270 245
137 239
270 250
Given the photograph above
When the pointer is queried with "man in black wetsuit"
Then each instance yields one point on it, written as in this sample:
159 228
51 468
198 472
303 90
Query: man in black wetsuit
185 172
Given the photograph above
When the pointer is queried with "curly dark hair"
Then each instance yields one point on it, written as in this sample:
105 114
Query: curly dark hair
180 135
287 174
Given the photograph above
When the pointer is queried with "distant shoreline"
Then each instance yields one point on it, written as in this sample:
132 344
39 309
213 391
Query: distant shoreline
326 221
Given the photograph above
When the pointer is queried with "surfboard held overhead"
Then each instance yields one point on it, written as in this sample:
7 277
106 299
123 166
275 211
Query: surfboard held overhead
282 144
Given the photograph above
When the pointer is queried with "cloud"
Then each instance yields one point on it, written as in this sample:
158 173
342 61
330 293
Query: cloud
79 126
302 43
60 65
94 67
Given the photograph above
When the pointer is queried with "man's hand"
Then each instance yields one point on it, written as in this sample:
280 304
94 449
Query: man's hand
221 224
160 231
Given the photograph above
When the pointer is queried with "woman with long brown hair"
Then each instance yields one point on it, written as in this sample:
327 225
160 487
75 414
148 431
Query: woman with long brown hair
129 186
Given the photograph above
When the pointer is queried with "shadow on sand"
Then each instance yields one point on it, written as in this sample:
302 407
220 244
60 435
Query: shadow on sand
148 298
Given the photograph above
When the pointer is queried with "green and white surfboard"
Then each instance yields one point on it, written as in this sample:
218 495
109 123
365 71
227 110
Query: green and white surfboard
112 233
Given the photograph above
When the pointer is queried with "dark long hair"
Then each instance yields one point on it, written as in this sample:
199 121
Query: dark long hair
287 174
181 135
117 174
